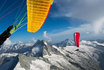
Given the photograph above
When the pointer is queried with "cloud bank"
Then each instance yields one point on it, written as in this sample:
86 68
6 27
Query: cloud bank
88 10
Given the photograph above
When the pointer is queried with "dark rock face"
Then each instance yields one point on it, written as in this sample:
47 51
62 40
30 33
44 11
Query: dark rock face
48 50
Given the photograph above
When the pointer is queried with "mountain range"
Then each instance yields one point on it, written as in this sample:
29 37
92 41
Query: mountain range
41 55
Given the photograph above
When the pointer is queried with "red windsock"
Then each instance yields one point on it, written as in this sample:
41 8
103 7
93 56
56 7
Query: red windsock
77 38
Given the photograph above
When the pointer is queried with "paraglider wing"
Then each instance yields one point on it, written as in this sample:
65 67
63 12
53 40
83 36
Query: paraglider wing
37 12
6 34
77 38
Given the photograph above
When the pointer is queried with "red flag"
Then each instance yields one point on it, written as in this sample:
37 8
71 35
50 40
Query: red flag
77 38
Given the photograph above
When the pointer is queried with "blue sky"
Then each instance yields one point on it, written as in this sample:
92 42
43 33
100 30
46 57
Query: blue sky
65 18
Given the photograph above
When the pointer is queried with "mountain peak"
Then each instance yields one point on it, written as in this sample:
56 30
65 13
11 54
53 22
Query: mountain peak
65 43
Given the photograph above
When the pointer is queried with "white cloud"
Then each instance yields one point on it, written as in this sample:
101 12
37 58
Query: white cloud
99 26
35 50
46 37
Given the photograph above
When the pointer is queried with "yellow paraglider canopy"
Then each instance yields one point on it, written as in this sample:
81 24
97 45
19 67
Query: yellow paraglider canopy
37 12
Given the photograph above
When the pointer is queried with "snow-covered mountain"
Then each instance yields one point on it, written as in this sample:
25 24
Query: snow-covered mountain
43 56
19 47
65 43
